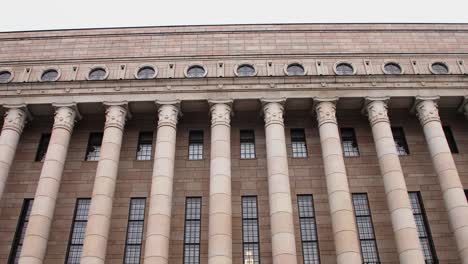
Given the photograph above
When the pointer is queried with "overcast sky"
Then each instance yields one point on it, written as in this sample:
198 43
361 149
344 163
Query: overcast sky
64 14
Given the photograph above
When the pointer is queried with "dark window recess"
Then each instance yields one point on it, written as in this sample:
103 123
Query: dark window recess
308 227
298 143
20 231
247 144
94 147
450 139
400 141
42 148
136 220
370 254
196 145
80 219
250 231
192 230
348 139
422 224
145 146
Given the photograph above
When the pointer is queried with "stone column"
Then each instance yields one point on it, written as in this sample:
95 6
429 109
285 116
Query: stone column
160 206
345 234
404 226
100 210
444 166
15 119
220 225
42 212
281 213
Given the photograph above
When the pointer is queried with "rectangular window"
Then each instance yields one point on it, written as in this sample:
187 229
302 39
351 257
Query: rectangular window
298 142
196 145
94 147
42 148
145 144
80 219
365 228
308 227
400 141
20 231
192 230
450 139
424 232
250 234
348 139
136 220
247 144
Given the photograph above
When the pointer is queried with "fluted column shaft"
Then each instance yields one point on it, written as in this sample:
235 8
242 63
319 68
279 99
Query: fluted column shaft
404 226
281 213
15 119
42 212
220 217
100 210
449 180
160 206
345 234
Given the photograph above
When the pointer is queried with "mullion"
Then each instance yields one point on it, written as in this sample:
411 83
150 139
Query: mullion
307 222
250 216
365 228
20 231
192 232
136 218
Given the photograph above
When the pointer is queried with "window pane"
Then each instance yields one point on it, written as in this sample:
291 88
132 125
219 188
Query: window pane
400 141
251 254
146 73
308 229
247 144
20 231
135 227
344 69
311 252
145 144
94 147
365 228
246 70
80 220
192 230
298 142
42 148
348 139
195 145
250 232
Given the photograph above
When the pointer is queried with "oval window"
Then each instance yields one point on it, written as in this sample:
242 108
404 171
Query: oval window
5 76
97 74
439 68
344 69
146 73
245 70
50 75
392 68
295 69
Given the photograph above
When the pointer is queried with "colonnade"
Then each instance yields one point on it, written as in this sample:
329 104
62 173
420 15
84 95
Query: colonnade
220 212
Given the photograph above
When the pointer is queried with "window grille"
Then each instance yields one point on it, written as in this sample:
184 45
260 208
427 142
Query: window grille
80 220
192 230
42 148
196 145
136 220
94 147
348 139
247 144
370 254
308 227
250 232
298 142
20 231
422 225
400 141
145 144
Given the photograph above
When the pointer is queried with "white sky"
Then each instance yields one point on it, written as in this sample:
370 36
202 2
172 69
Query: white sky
64 14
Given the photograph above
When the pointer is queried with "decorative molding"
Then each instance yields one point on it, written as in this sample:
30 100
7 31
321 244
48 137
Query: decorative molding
168 115
326 111
273 111
116 115
427 110
376 110
15 118
65 117
220 112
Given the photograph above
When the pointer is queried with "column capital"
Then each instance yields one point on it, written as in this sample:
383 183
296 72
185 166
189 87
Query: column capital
15 117
116 114
427 109
325 110
221 112
168 113
376 109
65 116
273 111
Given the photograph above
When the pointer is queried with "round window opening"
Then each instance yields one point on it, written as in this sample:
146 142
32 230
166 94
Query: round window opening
439 68
196 71
295 69
50 76
146 73
5 76
97 74
245 70
392 68
344 69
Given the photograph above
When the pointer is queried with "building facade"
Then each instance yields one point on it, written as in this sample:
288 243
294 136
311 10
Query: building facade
300 143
